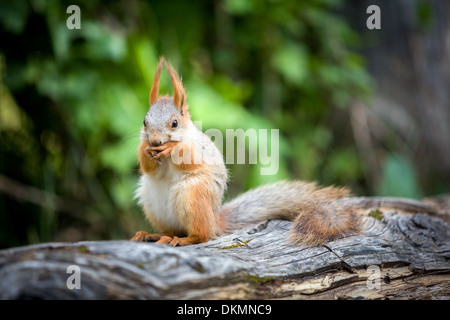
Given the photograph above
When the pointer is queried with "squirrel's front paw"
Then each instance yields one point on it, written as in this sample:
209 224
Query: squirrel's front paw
151 153
164 150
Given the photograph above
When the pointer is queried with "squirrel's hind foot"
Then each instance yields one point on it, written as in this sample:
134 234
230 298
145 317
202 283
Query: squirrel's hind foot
142 236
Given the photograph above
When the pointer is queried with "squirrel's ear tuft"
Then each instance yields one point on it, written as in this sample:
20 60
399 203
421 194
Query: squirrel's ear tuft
155 86
179 96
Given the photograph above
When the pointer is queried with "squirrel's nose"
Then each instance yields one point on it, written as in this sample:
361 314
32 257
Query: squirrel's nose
155 139
155 143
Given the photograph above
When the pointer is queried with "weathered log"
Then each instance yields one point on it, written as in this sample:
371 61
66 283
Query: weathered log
399 256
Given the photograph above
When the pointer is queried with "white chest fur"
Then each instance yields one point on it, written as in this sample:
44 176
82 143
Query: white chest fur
155 193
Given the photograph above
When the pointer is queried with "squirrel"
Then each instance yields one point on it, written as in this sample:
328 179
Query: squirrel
183 178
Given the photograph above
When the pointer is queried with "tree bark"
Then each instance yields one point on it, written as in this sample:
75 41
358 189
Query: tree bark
404 253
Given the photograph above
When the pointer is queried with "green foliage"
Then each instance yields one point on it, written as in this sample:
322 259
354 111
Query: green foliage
399 178
73 100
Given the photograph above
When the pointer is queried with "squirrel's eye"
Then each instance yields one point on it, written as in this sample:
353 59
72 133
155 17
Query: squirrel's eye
174 123
145 123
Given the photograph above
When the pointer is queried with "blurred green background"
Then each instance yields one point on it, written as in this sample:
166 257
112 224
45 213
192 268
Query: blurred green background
72 102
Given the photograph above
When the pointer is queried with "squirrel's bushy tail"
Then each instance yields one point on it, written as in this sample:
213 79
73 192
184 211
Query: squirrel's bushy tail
319 214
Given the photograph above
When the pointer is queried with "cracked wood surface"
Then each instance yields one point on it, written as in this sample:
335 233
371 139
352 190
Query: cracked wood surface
410 254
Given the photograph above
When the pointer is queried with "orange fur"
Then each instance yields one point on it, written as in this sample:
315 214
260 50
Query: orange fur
193 203
155 86
146 164
322 217
179 95
187 240
201 219
183 148
313 226
144 236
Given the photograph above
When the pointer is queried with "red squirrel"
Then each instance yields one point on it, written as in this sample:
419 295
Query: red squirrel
182 196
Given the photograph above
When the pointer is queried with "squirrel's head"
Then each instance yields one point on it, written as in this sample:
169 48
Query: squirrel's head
168 117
